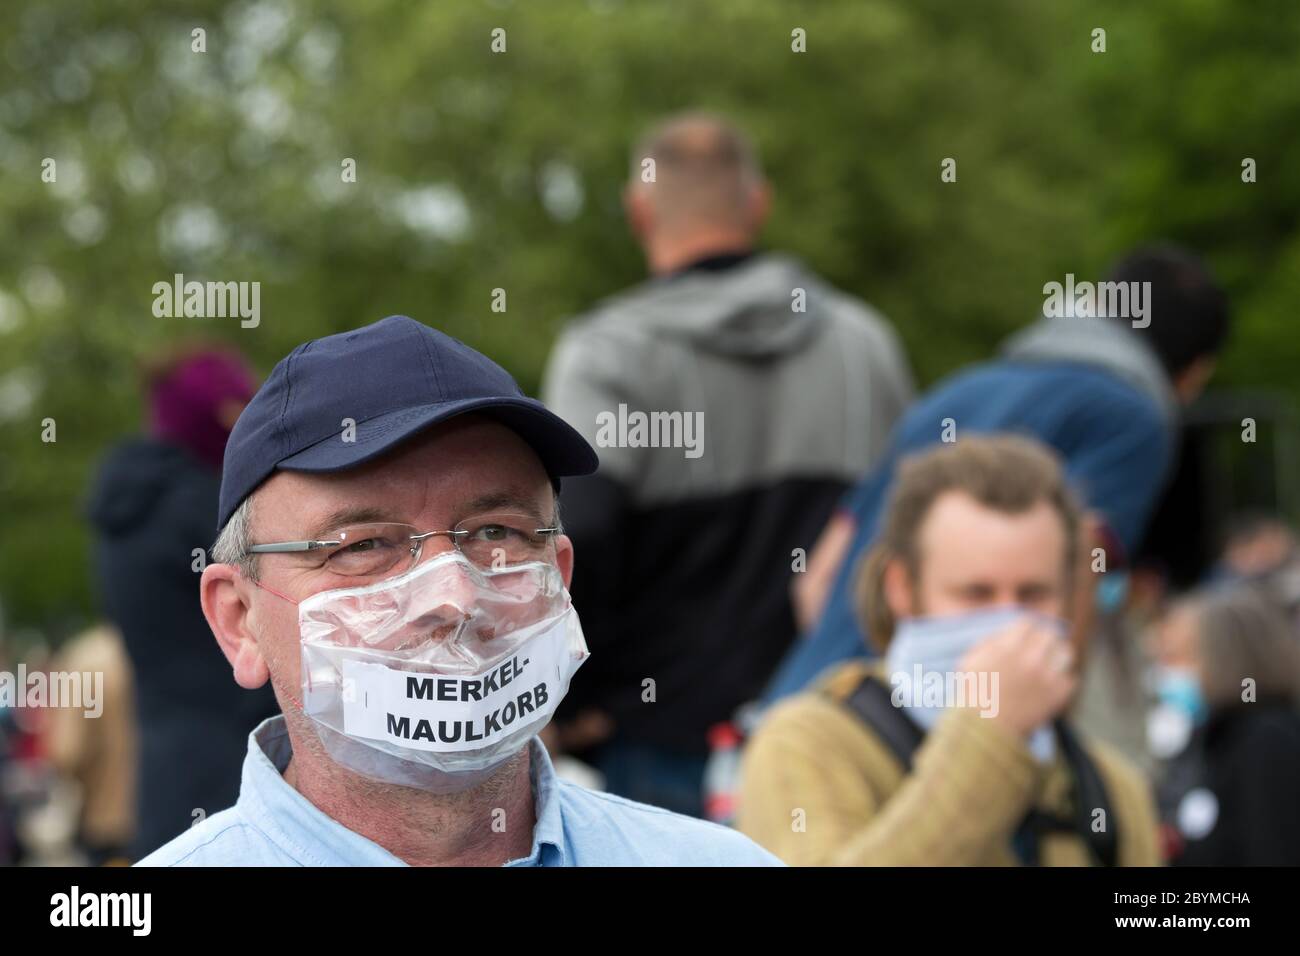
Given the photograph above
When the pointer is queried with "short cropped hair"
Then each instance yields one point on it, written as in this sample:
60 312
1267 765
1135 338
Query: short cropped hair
704 169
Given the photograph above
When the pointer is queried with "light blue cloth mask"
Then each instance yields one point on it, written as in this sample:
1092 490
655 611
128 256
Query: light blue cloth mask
1180 688
937 645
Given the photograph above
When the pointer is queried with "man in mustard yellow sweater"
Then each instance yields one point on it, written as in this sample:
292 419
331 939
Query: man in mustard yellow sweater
951 749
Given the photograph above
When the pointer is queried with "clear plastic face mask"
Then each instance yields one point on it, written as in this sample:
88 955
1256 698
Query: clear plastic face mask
435 677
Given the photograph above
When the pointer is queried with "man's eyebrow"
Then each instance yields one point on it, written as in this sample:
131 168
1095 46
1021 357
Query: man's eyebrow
351 514
513 501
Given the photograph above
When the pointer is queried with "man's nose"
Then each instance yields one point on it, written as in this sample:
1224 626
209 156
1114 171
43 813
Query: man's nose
1006 600
450 598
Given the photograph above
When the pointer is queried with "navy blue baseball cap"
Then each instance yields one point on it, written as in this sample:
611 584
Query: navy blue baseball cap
393 378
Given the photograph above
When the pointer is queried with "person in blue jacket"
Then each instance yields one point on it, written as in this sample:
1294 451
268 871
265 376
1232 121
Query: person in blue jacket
1102 389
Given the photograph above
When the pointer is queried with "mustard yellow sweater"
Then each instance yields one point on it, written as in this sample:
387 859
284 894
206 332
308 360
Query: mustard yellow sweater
819 788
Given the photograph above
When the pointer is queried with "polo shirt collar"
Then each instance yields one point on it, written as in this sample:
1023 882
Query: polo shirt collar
549 845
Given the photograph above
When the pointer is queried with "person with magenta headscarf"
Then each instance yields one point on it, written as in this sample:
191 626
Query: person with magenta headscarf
152 507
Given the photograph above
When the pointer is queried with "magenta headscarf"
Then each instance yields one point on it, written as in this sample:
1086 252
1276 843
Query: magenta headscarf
185 404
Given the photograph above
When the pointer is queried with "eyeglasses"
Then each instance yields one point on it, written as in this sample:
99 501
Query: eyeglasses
384 547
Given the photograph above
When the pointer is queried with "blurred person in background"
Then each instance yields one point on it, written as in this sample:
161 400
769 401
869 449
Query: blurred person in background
98 752
689 551
1103 393
974 573
1260 548
1113 700
1227 683
151 507
1256 545
28 785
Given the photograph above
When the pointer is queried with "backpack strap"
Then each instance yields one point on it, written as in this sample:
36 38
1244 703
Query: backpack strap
870 702
1089 796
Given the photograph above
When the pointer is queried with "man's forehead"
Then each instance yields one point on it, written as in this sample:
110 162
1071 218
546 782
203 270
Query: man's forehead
446 508
959 507
317 502
986 530
478 467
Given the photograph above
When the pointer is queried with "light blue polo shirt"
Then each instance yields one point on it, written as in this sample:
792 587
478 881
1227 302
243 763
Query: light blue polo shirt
272 824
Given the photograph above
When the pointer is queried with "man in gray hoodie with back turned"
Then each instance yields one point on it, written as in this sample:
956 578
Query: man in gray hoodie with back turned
732 399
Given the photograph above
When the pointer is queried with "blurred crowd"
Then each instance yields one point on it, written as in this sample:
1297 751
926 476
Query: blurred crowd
766 598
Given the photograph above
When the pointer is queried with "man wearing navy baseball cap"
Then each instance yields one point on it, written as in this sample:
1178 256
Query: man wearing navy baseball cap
389 557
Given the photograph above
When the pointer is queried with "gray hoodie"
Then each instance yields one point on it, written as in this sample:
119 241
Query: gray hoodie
782 392
685 551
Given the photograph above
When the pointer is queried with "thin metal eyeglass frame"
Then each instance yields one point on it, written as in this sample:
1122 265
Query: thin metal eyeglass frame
288 547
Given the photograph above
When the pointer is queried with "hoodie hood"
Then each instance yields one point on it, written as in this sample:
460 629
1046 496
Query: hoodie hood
134 480
743 311
1101 343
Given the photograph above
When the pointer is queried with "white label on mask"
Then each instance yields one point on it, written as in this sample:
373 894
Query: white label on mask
443 713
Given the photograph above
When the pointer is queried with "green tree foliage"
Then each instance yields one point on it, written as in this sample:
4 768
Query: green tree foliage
478 170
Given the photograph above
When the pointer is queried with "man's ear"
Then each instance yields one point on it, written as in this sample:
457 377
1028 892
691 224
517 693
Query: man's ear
564 557
1191 381
896 584
1083 589
226 596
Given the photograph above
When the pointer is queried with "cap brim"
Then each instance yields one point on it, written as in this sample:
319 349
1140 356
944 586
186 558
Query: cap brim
561 448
